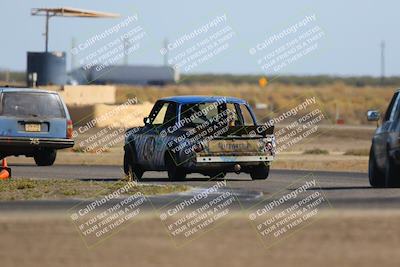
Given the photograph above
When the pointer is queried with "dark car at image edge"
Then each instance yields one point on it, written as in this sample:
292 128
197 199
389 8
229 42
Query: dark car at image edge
384 159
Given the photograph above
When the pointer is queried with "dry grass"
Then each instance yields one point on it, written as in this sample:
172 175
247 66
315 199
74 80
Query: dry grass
26 189
316 151
352 102
357 152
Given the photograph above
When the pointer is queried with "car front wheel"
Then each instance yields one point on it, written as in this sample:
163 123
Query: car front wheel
132 170
376 177
392 173
45 157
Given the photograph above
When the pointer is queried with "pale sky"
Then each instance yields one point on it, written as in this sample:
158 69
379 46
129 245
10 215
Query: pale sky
350 45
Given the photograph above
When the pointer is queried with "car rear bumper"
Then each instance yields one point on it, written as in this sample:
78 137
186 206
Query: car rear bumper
233 159
21 142
217 167
209 163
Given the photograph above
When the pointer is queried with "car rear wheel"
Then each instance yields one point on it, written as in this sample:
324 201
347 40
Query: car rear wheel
131 169
376 177
392 173
260 172
45 157
175 173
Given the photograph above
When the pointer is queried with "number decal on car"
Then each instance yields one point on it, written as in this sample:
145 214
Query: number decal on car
149 147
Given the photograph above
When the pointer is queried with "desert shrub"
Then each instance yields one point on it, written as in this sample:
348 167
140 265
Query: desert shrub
316 151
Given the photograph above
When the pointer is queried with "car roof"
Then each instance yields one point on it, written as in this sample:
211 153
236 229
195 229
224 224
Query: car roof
189 99
24 89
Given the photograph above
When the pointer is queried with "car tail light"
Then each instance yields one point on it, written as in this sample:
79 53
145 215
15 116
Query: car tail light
198 148
273 150
70 129
268 146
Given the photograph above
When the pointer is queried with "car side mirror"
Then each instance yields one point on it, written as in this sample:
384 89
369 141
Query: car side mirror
373 115
146 120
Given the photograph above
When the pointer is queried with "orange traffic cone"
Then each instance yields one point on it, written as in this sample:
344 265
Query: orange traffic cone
5 172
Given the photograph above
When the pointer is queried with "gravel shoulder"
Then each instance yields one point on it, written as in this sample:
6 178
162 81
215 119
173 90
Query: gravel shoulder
59 189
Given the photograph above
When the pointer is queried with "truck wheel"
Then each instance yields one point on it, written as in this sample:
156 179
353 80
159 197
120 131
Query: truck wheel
175 173
132 170
392 173
260 172
45 157
376 177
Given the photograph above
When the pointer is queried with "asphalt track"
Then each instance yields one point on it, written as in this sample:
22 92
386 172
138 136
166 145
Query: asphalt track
343 190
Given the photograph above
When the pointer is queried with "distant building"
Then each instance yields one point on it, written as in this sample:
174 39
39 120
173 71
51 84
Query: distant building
125 74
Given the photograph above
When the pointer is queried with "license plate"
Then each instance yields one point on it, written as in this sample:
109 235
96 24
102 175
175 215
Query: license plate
32 128
233 146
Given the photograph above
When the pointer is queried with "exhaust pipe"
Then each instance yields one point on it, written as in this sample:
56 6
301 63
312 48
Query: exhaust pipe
237 168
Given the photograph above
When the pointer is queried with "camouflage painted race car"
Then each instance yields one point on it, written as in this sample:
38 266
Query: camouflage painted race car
199 134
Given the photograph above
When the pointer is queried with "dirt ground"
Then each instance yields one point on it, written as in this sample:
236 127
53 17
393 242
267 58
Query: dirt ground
338 238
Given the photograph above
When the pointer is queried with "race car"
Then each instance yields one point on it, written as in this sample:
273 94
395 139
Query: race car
211 135
34 123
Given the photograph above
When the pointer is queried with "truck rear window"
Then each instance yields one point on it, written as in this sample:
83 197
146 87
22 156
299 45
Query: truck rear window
31 105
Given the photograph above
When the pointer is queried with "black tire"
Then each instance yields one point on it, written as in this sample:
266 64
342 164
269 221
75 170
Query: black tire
376 177
45 157
175 173
260 172
131 169
392 173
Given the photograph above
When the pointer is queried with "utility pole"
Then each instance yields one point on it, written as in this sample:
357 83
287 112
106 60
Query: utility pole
73 45
382 62
7 75
126 51
166 52
47 31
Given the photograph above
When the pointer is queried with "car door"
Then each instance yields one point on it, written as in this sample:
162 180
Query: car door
151 145
394 134
382 133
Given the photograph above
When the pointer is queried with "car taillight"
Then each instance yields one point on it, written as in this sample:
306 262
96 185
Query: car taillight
269 145
70 129
198 148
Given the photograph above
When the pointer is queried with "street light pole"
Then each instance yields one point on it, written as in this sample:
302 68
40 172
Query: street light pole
382 62
66 12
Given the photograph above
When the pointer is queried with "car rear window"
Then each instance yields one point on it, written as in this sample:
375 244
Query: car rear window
31 105
199 113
